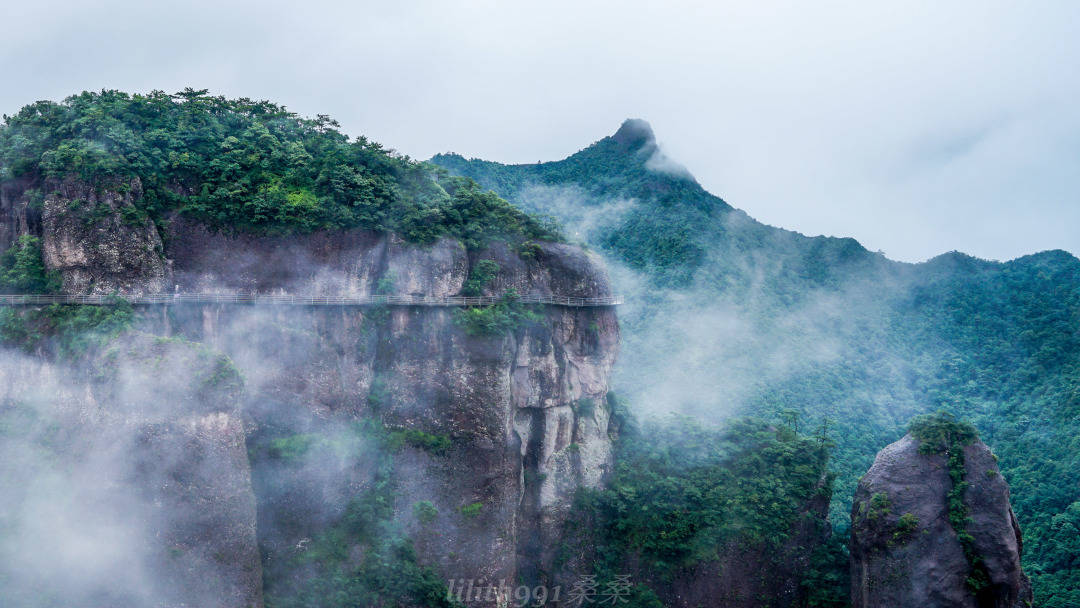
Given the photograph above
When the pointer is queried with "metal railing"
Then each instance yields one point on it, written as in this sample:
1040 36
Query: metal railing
298 300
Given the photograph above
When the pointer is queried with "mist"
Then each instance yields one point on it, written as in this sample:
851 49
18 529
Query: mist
126 470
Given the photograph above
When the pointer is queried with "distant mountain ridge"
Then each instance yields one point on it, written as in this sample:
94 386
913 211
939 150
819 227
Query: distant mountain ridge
726 315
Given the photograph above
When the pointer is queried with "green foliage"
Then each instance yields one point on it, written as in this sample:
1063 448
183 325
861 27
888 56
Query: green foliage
435 444
880 506
940 432
223 374
379 393
62 329
529 250
253 166
425 512
905 528
826 581
22 269
507 315
471 510
682 491
385 285
293 448
481 274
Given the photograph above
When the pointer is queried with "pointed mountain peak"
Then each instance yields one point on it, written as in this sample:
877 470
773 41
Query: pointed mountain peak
634 133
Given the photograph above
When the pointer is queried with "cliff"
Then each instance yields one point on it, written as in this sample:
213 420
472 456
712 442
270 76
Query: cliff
487 430
905 550
126 479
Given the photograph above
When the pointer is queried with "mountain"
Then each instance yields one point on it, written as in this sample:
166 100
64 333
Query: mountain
729 316
189 451
167 441
174 443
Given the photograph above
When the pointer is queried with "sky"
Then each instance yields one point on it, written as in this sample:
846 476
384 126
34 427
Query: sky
915 127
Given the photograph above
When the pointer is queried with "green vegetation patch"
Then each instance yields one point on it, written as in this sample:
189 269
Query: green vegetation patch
880 506
505 316
22 269
252 166
905 528
65 330
682 491
941 433
425 512
481 274
471 510
429 442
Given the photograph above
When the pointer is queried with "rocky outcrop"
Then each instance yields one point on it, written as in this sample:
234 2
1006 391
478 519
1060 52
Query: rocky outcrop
906 553
19 211
98 240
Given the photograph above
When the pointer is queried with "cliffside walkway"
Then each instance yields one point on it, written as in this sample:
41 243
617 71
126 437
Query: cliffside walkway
298 300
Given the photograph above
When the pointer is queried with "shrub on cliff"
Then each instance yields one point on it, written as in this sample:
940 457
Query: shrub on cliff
939 432
64 330
22 269
507 315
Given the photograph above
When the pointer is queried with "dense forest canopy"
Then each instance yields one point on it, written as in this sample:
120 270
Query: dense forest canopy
245 165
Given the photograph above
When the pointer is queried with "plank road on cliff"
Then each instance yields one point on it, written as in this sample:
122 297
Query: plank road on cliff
298 300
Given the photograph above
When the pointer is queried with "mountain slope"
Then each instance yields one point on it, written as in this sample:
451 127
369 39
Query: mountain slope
728 316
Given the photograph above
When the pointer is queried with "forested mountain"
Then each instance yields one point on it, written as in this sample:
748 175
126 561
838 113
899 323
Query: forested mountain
316 456
729 316
242 165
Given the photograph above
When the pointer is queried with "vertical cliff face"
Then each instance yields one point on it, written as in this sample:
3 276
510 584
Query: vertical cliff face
501 427
524 410
906 552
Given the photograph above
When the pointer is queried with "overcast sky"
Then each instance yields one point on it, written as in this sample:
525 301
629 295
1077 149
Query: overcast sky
917 128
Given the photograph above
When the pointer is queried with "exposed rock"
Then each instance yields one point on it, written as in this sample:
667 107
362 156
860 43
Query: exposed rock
99 242
633 133
17 214
904 551
526 411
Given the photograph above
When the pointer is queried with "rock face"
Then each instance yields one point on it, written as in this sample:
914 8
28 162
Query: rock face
98 242
904 551
525 411
128 485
